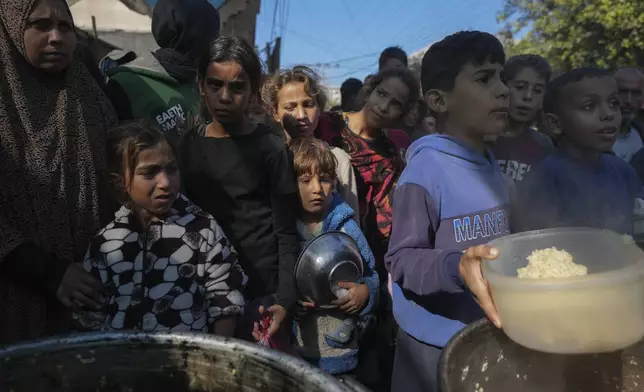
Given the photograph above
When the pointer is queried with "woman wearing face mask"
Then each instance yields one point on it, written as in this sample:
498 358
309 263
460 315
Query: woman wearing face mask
296 101
53 122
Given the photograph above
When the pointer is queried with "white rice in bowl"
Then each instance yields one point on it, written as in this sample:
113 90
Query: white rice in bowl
551 263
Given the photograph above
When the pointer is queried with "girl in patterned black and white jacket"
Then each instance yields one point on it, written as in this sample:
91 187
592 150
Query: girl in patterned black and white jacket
164 263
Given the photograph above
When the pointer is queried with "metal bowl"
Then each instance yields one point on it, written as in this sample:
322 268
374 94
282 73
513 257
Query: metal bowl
141 362
330 258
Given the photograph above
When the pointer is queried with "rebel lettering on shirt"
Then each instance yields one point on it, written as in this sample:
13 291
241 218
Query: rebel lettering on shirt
516 155
514 169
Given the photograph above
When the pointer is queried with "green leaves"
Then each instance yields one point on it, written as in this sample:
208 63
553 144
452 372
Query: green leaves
574 33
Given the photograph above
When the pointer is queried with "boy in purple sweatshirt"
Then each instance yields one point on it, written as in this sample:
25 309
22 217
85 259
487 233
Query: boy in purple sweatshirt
451 199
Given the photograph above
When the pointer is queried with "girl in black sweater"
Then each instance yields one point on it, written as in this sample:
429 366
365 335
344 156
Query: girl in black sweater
242 174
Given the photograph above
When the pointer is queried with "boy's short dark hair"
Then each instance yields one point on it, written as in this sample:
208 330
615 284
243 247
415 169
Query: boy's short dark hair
556 86
350 86
516 64
349 91
445 59
392 52
310 152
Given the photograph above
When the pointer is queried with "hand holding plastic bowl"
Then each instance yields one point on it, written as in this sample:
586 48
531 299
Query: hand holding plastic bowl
600 312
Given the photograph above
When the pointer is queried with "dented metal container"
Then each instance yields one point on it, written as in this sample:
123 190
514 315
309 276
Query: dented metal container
141 362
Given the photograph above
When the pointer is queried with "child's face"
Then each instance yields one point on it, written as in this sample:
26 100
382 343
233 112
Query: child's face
428 125
386 104
526 95
478 105
588 113
155 182
413 117
294 103
315 191
257 113
226 92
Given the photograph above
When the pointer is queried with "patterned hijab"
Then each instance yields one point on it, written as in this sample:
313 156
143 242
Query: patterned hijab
52 155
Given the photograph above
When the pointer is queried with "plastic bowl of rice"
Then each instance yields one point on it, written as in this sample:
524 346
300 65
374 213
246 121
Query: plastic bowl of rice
569 290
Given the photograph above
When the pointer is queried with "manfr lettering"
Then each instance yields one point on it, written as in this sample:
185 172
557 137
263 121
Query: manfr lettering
486 225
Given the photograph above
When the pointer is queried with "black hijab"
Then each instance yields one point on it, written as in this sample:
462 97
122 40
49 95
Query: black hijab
183 29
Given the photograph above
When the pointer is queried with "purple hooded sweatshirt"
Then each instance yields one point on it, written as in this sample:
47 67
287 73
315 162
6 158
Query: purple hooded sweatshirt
449 197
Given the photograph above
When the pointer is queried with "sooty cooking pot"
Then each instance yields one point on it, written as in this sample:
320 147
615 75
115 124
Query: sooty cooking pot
481 358
141 362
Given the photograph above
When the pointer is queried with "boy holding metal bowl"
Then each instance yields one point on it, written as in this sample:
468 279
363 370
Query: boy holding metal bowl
328 336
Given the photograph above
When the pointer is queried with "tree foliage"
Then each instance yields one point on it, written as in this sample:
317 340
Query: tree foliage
574 33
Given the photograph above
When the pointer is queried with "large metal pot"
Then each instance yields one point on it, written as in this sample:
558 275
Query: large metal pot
481 358
330 258
140 362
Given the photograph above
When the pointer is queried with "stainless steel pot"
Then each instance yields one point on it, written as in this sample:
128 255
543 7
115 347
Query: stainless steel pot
330 258
140 362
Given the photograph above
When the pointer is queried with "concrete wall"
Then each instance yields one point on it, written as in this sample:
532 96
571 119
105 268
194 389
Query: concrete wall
239 18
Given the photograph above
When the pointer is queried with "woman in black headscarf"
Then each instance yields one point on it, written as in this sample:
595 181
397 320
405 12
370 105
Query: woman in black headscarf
163 89
53 126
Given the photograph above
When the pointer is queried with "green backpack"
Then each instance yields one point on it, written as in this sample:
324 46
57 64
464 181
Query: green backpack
157 97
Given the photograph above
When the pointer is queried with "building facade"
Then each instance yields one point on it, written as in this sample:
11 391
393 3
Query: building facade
106 25
239 17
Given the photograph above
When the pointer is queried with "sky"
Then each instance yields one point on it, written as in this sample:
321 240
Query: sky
347 36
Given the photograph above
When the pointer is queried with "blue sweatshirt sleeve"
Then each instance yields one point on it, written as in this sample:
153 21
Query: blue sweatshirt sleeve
413 260
370 276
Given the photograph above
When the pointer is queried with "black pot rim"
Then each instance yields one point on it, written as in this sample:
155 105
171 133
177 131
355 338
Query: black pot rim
449 348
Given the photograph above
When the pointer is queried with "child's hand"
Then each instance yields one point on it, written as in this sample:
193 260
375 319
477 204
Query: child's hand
303 307
278 314
79 289
307 305
356 298
470 269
